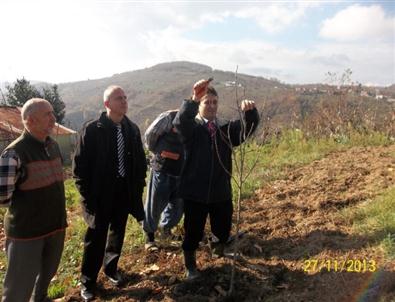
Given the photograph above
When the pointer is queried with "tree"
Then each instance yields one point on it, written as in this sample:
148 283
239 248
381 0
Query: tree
242 170
2 97
22 91
52 96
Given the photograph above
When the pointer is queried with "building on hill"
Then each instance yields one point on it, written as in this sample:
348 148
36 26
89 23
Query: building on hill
11 127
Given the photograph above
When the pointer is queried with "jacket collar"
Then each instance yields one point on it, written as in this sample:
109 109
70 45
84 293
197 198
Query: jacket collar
29 137
218 121
105 122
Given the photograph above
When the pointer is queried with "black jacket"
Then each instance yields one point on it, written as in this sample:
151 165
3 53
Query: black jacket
94 167
205 178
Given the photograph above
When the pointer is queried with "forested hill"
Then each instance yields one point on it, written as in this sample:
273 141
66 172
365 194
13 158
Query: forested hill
164 86
158 88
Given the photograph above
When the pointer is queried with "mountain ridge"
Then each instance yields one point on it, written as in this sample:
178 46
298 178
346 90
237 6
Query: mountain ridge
161 87
158 88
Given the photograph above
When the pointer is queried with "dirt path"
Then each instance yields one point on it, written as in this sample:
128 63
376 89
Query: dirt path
287 223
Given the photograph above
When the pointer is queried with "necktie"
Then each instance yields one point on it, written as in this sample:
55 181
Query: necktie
121 152
211 128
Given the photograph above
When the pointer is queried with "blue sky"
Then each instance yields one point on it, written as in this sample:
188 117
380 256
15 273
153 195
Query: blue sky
294 41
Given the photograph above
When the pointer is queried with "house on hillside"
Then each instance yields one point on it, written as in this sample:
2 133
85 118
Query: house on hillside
379 97
11 127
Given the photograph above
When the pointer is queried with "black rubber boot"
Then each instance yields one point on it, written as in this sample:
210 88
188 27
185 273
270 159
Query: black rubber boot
191 272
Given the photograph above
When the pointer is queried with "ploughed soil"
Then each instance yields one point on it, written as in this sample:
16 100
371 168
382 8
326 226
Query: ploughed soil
287 226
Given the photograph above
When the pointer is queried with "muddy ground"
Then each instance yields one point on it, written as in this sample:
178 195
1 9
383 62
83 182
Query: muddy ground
285 224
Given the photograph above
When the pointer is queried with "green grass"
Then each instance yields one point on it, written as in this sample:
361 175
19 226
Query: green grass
134 235
56 290
292 149
72 195
69 268
376 219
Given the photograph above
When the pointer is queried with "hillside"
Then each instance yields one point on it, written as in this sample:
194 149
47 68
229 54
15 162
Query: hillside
158 88
164 86
286 223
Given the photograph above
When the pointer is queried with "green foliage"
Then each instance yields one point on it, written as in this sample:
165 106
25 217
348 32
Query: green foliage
69 269
52 95
134 235
372 138
56 290
72 194
376 218
388 245
19 93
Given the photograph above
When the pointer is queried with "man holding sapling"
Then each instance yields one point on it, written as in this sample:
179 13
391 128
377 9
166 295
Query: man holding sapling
206 178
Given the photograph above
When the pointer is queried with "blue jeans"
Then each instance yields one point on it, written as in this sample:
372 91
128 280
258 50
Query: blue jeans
162 196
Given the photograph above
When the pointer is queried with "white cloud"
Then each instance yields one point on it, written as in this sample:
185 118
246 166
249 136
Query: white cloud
269 60
71 40
251 56
374 62
68 41
276 17
358 22
272 17
55 40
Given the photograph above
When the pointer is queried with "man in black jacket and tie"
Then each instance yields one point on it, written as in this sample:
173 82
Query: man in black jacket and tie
109 167
206 179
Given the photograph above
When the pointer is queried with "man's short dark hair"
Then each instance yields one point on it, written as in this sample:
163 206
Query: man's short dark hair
212 91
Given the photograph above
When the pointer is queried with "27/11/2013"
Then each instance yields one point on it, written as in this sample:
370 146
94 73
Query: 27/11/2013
334 265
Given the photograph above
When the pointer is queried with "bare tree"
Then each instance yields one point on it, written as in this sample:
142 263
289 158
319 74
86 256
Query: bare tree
241 170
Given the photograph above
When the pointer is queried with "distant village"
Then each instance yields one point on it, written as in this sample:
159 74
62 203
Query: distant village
352 90
371 92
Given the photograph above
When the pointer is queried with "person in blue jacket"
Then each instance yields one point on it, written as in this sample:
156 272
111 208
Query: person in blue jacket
166 164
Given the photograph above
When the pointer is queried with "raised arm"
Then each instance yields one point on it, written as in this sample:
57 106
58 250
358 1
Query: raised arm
184 121
237 134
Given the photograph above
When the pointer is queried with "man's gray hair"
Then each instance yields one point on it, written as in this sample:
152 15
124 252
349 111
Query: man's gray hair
30 107
109 90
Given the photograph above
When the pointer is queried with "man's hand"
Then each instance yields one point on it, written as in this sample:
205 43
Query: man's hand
247 105
200 89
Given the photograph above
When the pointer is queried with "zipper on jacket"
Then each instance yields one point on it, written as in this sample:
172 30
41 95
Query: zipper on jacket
211 169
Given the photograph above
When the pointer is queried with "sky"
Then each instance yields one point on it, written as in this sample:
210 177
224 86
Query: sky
292 41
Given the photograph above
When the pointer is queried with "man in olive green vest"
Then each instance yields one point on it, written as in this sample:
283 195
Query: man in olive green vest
31 186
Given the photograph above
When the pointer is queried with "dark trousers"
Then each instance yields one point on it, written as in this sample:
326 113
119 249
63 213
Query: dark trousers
195 215
103 244
31 266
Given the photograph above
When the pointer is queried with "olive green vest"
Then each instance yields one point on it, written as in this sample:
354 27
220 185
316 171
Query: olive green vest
37 205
